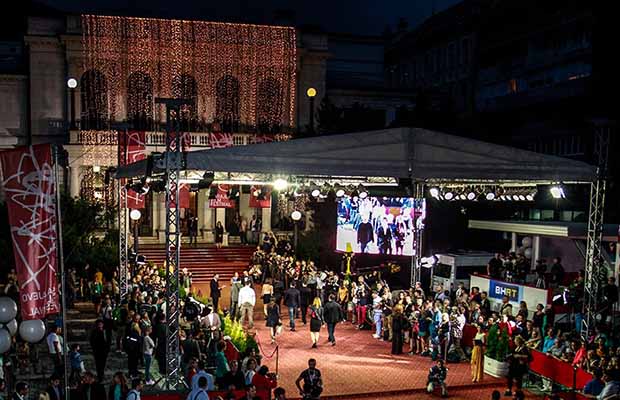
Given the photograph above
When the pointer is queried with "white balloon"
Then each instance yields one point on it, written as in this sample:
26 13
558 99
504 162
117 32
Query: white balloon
528 253
5 341
32 331
12 327
527 241
8 309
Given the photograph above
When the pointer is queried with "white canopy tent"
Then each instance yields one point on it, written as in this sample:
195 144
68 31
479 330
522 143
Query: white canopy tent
414 153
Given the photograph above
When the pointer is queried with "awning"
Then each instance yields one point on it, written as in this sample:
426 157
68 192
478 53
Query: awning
399 153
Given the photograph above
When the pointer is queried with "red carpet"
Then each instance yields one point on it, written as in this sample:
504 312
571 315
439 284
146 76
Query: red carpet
362 367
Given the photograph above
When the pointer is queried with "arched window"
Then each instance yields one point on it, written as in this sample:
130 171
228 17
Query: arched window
227 103
184 87
140 100
269 106
94 100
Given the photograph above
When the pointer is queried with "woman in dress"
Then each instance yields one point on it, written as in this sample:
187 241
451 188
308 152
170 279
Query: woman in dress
266 294
518 362
219 234
399 324
273 318
316 321
477 356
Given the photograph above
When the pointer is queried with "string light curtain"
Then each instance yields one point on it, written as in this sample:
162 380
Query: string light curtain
244 75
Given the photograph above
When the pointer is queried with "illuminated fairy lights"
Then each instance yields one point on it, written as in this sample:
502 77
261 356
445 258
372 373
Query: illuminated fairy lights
242 77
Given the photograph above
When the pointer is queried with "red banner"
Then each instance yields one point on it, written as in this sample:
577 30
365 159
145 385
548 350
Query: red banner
30 190
221 140
184 195
132 148
222 200
260 199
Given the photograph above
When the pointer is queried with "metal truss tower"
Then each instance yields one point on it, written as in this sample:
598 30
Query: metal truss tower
418 234
596 271
173 160
123 229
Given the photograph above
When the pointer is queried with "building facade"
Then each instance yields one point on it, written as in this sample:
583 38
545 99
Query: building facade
247 83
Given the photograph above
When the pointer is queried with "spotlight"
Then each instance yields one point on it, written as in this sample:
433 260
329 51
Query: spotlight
434 192
315 193
72 83
521 197
515 197
96 169
339 192
490 196
529 197
280 184
463 197
448 195
206 181
557 192
471 196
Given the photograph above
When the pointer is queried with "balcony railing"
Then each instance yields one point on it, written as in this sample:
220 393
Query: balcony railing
198 139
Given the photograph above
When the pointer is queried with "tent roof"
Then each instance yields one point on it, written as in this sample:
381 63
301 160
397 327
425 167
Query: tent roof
399 153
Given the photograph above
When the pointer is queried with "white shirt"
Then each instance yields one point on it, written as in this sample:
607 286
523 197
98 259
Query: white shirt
247 295
148 345
198 375
51 339
198 394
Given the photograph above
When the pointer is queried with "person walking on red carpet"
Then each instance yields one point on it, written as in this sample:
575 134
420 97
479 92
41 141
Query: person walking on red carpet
332 313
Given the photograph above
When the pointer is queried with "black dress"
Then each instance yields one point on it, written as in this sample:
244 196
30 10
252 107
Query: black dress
398 324
316 319
273 315
219 234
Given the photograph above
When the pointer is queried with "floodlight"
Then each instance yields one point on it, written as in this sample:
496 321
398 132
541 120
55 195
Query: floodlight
280 184
339 192
471 196
490 196
448 195
315 193
135 215
434 192
557 192
296 215
363 194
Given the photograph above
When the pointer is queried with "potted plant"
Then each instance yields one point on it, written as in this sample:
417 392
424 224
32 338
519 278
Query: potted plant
497 349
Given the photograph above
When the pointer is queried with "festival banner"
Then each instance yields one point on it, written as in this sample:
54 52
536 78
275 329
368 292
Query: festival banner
132 148
222 200
221 140
262 138
265 198
30 190
184 195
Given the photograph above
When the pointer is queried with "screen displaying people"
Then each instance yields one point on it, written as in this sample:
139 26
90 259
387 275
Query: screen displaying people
379 225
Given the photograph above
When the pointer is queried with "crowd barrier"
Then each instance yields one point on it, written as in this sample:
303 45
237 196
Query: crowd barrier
560 372
262 394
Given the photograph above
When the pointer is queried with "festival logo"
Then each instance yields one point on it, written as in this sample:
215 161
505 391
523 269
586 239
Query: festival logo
498 289
30 189
222 200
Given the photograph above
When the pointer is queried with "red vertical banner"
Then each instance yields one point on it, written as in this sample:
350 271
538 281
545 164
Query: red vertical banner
30 189
132 148
184 195
260 197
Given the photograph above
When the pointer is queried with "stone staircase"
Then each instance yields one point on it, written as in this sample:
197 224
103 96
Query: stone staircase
204 262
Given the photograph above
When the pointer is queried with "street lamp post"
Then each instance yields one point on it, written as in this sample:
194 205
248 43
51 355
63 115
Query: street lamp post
311 92
296 216
135 217
72 84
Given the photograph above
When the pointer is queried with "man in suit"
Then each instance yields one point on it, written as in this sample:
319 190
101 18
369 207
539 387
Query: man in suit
212 323
54 390
365 234
90 389
332 314
384 238
292 301
21 391
101 347
216 291
305 299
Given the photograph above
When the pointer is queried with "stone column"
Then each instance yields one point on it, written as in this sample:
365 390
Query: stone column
535 250
513 246
266 217
74 181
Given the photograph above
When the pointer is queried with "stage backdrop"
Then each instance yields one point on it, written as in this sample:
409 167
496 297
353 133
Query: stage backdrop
29 186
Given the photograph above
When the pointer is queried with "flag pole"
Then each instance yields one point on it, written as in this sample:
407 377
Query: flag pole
61 262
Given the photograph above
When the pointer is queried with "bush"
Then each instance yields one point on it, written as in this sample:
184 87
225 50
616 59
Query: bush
497 343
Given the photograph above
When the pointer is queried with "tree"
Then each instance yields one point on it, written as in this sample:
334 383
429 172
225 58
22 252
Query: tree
329 117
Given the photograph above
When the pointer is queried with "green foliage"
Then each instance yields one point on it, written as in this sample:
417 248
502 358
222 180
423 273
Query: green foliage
238 336
87 235
497 343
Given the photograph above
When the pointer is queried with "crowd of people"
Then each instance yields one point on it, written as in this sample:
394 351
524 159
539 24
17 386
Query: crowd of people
416 321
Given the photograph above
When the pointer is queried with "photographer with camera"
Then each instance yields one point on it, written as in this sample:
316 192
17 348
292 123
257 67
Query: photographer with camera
313 383
437 377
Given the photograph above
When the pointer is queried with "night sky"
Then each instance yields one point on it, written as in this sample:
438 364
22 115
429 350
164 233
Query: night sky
364 17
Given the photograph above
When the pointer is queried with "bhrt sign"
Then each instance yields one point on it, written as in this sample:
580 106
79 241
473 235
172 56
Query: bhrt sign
499 289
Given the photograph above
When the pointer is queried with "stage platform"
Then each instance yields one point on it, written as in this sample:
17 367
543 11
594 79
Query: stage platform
360 366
